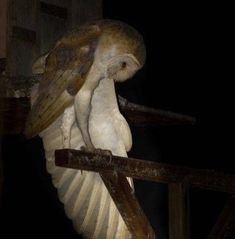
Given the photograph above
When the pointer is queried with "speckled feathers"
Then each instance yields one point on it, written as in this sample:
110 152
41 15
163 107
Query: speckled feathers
69 62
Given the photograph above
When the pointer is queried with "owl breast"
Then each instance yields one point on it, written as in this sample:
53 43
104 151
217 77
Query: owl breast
86 200
106 121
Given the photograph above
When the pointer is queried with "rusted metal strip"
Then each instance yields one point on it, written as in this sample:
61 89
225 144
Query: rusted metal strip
54 10
146 170
128 206
138 116
141 115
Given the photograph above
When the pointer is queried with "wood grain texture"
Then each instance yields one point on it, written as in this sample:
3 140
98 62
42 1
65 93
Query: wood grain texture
146 170
178 201
128 206
138 116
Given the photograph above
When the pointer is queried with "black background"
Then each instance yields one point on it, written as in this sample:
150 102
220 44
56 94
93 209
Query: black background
186 72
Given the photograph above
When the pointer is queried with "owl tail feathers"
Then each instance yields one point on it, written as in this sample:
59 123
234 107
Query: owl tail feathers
88 204
86 200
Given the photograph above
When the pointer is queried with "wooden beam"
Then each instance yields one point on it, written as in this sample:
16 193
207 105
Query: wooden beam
13 112
145 116
225 225
145 170
128 206
138 116
178 211
53 10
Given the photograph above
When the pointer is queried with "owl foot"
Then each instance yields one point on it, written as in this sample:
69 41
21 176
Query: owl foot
105 152
98 151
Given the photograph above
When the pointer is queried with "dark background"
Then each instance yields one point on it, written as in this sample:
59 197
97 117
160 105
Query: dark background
184 73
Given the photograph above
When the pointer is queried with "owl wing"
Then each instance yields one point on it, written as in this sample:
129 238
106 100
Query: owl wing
66 68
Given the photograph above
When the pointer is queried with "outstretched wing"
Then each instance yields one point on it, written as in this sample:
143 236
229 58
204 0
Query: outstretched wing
67 66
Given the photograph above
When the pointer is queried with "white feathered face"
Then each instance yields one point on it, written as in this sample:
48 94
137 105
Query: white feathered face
79 60
122 67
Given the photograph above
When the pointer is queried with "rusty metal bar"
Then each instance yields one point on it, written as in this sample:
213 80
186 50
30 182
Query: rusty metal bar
121 193
141 115
146 170
53 10
128 206
137 115
225 225
178 195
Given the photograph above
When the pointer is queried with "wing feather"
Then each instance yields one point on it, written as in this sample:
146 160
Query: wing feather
66 68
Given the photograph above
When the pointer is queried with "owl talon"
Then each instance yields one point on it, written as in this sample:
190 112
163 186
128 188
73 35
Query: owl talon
83 148
87 149
105 152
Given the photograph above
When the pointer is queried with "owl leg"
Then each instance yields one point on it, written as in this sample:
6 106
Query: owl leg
105 152
67 123
82 105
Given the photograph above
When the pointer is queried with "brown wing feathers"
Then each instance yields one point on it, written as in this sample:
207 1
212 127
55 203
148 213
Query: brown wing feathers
66 68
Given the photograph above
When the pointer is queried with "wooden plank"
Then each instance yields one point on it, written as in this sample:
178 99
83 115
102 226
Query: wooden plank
178 211
54 10
145 170
139 112
128 206
13 110
225 225
145 116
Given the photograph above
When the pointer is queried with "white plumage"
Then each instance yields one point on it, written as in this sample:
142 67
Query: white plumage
86 199
75 105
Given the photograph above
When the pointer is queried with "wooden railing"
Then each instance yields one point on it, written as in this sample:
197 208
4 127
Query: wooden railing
179 180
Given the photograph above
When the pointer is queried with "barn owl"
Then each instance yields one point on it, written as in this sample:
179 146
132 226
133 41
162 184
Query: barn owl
75 106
